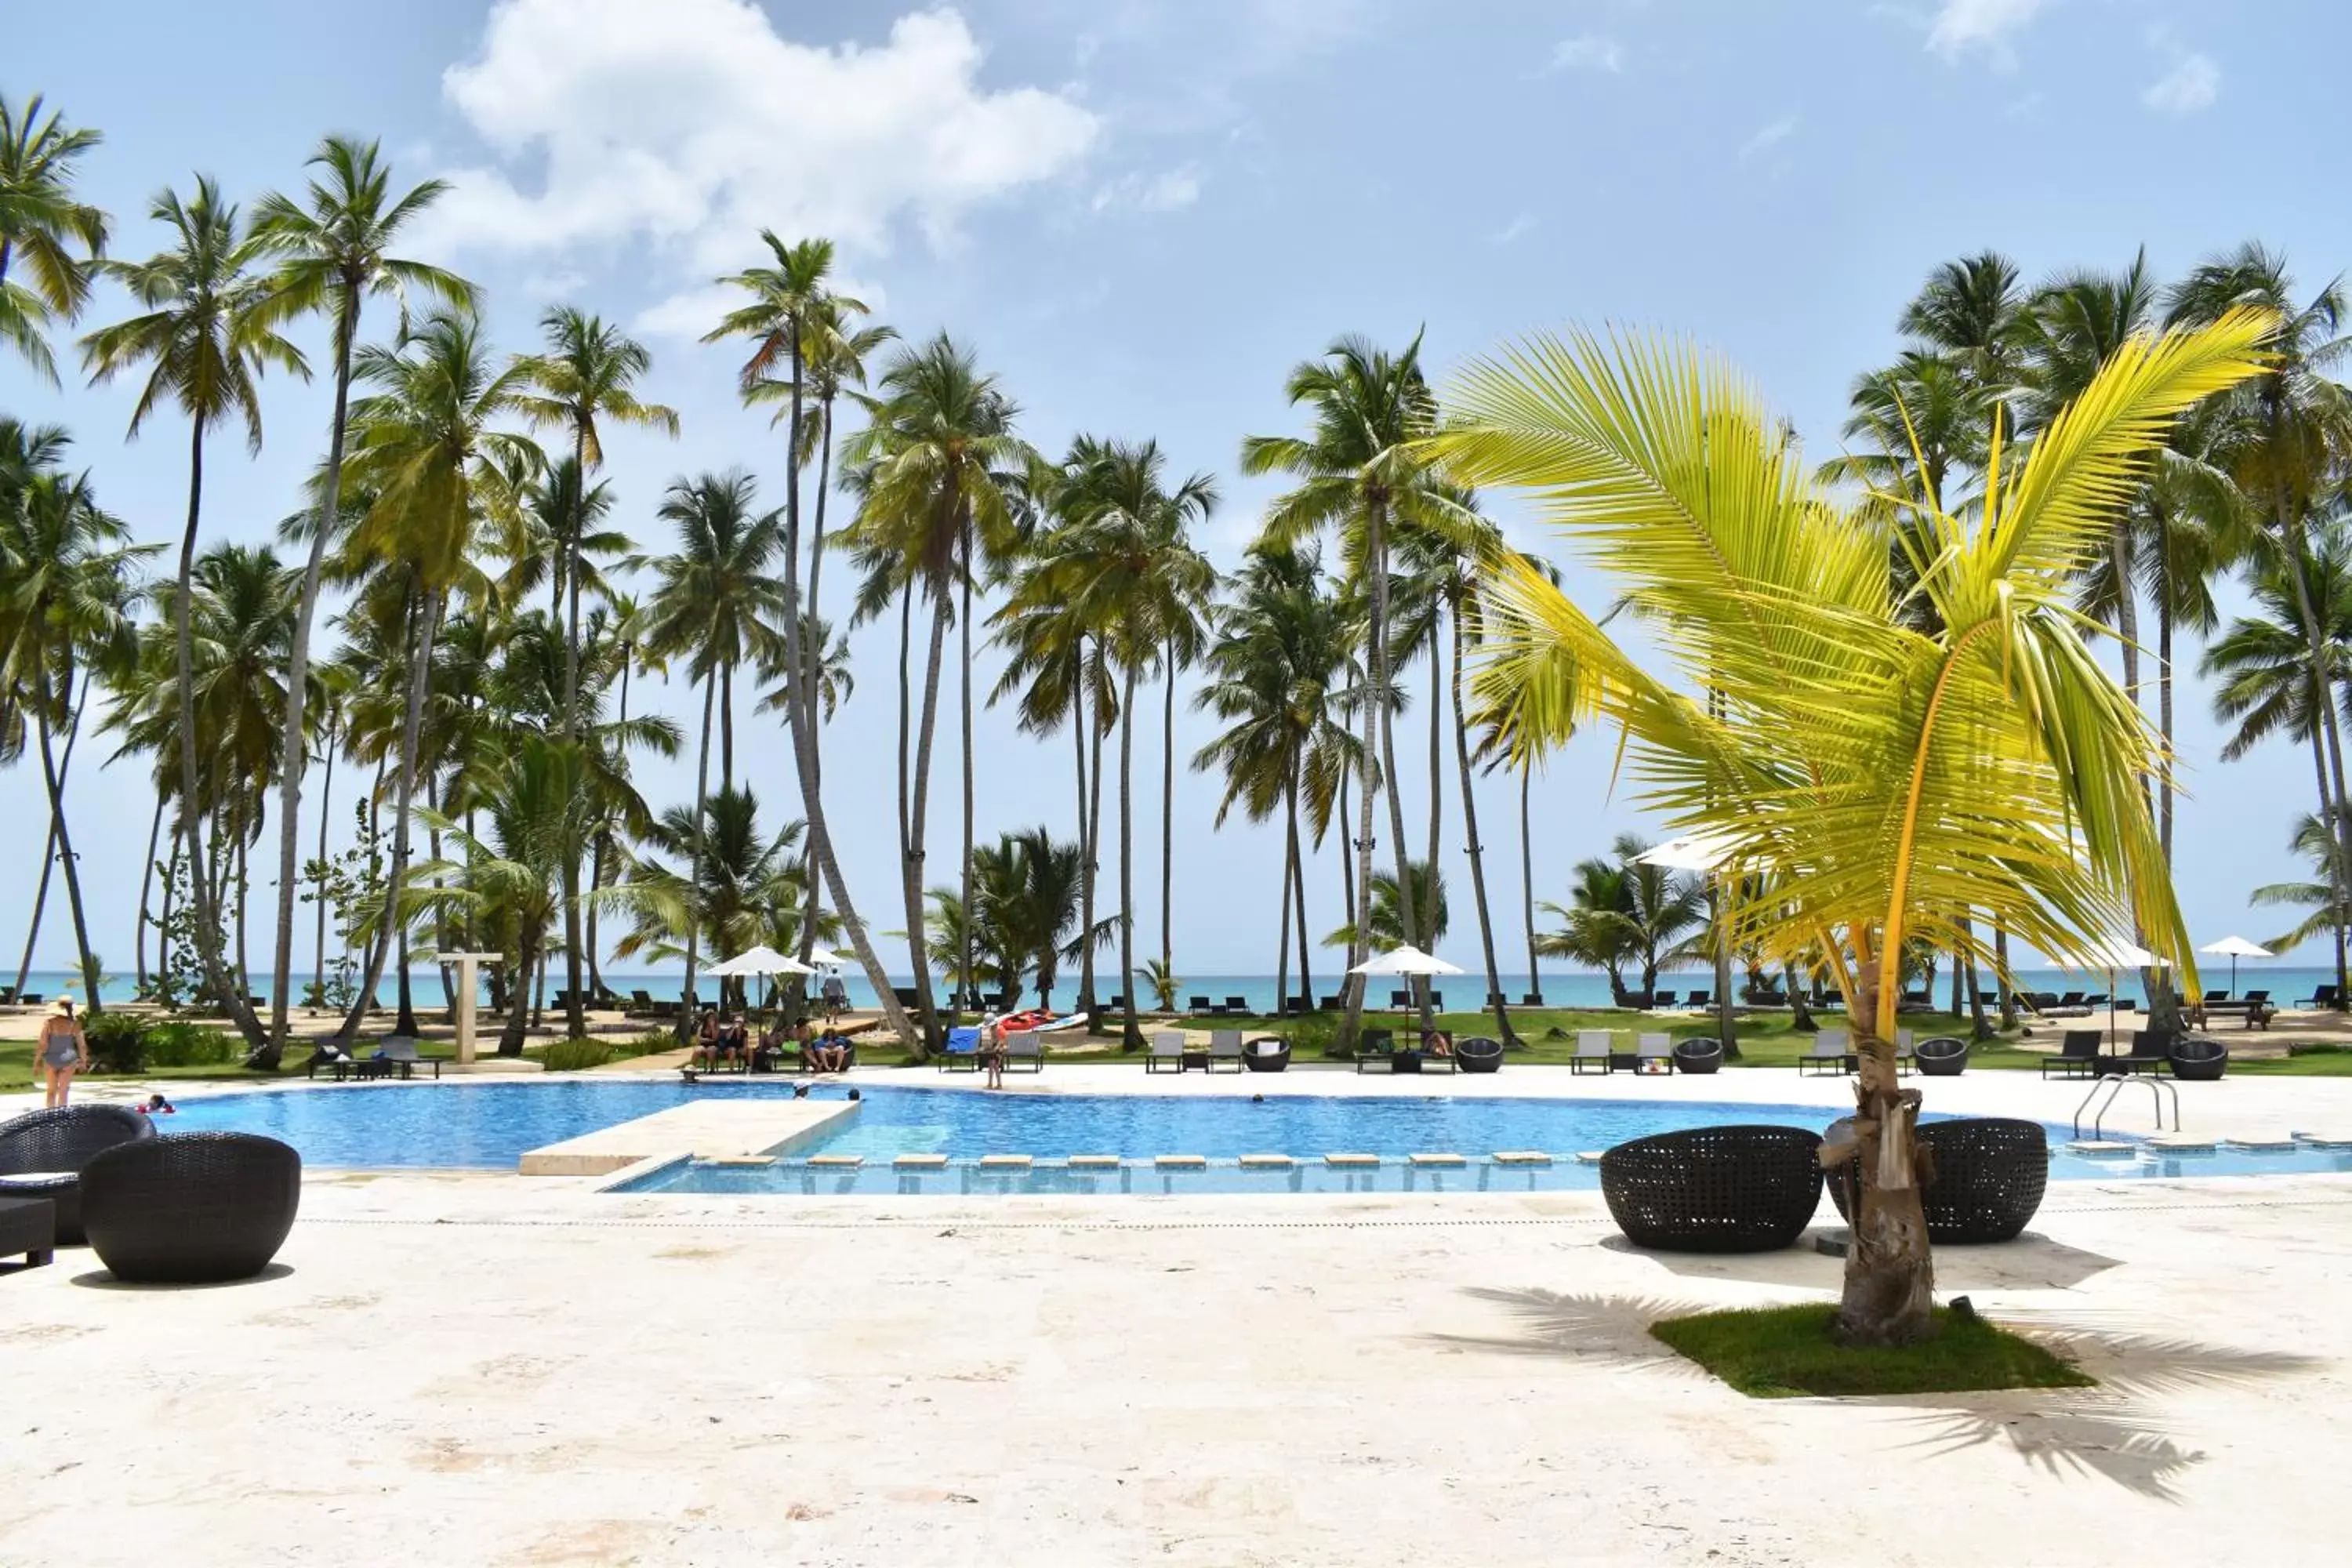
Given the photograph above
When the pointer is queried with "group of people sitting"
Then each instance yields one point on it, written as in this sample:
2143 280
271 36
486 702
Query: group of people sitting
721 1039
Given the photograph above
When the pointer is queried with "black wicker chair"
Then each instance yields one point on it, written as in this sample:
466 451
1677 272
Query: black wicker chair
193 1208
1478 1053
1715 1189
1941 1056
1258 1059
1990 1173
2199 1061
1698 1056
43 1152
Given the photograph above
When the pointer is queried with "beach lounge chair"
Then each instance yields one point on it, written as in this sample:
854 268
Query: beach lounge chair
1658 1049
1591 1051
1167 1052
1199 1007
1437 1001
1330 1004
1298 1006
2148 1055
1224 1050
1401 1000
1024 1051
1237 1006
401 1052
2072 999
1699 999
2326 997
1376 1046
1663 999
1531 999
963 1052
1827 1054
2078 1055
1117 1003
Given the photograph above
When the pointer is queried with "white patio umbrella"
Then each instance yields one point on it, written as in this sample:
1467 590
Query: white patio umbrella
2109 954
2234 948
1407 959
1695 852
827 958
762 960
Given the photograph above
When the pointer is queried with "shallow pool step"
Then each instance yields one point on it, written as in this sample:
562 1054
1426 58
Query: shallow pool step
1006 1161
920 1162
1590 1157
2259 1142
1438 1158
1181 1162
2179 1143
742 1160
2326 1138
1521 1157
838 1162
2100 1146
1093 1162
1267 1161
1351 1162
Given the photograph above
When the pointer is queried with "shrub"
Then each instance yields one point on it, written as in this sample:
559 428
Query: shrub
573 1056
1316 1034
645 1045
118 1042
190 1045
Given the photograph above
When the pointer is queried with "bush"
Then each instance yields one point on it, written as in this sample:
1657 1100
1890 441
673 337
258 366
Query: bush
1316 1034
573 1056
190 1045
118 1043
650 1043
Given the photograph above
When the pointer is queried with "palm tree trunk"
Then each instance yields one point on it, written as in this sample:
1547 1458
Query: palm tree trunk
2164 719
1298 897
1527 875
575 1005
808 704
1290 864
1978 1027
164 925
1426 934
50 842
510 1035
53 776
146 887
1094 815
1889 1285
1168 825
208 921
1377 556
424 622
2008 993
726 725
293 753
1359 888
917 817
1477 851
1086 854
963 697
326 814
693 865
1341 816
2326 812
2315 634
244 856
1131 1035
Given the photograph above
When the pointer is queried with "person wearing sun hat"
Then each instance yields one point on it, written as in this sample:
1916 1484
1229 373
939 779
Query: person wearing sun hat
63 1050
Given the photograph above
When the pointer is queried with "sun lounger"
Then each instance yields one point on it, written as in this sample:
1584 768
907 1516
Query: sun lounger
1400 1000
963 1052
1827 1054
2326 997
1591 1051
1199 1006
1376 1046
2148 1054
1658 1049
1330 1004
1166 1052
2078 1055
1663 999
1236 1006
401 1052
1699 999
1531 999
1024 1051
1224 1050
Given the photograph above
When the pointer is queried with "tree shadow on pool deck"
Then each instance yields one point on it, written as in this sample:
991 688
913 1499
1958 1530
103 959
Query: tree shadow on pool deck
2113 1431
2031 1262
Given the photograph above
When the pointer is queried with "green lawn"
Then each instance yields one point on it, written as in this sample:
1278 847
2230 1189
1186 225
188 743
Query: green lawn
1784 1352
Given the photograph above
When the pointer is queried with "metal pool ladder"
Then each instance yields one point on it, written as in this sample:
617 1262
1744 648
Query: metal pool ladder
2114 1085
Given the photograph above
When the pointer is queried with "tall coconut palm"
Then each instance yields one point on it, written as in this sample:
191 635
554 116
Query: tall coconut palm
1874 783
941 470
1361 470
331 253
41 226
717 604
587 374
208 331
426 443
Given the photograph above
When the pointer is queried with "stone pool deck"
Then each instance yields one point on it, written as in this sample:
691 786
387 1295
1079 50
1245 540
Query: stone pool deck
710 1129
479 1369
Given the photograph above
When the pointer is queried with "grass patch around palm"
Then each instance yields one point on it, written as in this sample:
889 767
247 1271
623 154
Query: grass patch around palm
1786 1352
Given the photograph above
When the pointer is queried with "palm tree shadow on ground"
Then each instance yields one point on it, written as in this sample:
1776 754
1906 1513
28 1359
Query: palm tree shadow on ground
2114 1431
2031 1262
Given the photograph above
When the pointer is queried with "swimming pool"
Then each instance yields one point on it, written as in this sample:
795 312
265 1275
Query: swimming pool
491 1125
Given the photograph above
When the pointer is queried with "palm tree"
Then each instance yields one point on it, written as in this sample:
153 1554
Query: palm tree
586 373
426 444
1026 913
1391 925
1873 784
64 616
209 331
737 877
1628 912
717 604
331 253
41 222
1361 470
941 470
2315 842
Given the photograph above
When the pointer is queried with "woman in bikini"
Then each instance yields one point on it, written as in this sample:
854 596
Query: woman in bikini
64 1051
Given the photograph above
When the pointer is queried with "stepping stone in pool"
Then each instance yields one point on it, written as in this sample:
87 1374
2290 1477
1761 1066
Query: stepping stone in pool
1352 1162
2100 1146
920 1161
1266 1161
2179 1143
2327 1138
2262 1142
741 1160
1006 1161
1590 1157
1437 1159
1521 1157
838 1161
1094 1162
1181 1162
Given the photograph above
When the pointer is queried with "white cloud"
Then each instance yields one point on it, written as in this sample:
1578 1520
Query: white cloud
1987 25
694 124
1520 225
2191 80
1163 192
1770 137
1588 51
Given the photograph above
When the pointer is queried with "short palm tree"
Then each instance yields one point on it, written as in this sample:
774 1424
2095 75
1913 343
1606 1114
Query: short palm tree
1389 928
2329 915
331 253
1880 783
208 330
41 226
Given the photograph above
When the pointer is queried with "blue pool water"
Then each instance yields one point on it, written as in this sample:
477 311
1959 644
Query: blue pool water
491 1125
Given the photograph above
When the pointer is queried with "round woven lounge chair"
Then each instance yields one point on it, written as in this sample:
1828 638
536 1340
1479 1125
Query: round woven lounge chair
1258 1059
1715 1189
1991 1174
43 1152
1698 1056
1478 1053
192 1208
2199 1061
1941 1056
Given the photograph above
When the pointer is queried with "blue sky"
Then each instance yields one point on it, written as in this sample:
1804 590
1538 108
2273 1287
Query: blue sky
1143 211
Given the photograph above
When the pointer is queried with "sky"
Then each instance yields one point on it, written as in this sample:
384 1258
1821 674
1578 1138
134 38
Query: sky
1141 214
